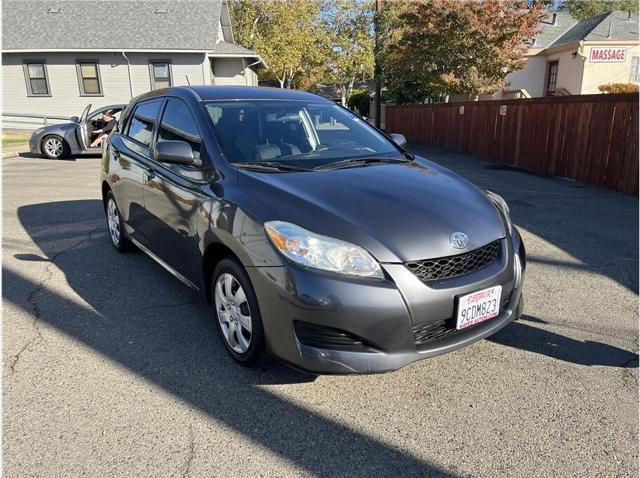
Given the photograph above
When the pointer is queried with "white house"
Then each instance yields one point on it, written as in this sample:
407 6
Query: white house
571 57
60 55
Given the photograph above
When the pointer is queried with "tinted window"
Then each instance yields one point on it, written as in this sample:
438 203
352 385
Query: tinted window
144 118
179 124
141 131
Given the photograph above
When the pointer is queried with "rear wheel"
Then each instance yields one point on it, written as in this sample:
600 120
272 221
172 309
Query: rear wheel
237 313
54 147
115 226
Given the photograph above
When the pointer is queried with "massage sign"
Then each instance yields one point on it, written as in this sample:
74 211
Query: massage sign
603 54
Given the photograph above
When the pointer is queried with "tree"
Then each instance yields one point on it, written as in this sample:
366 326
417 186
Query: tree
582 9
286 33
436 48
349 29
359 101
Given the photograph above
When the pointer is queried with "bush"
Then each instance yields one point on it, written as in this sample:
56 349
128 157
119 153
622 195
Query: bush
359 101
619 88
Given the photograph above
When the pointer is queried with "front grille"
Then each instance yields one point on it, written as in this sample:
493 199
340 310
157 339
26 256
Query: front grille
328 338
426 333
454 266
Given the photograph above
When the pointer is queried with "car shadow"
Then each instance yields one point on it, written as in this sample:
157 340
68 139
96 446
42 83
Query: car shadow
597 227
537 340
134 313
27 155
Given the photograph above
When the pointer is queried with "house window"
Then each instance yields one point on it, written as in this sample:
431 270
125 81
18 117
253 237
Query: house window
160 73
35 75
552 77
633 74
89 78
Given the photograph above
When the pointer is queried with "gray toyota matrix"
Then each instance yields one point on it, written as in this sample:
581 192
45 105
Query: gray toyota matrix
316 238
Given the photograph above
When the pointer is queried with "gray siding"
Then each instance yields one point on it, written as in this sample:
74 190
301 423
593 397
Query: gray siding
233 71
66 100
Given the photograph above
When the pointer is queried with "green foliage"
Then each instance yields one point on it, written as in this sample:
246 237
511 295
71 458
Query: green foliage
349 29
582 9
305 42
619 88
286 33
435 48
359 101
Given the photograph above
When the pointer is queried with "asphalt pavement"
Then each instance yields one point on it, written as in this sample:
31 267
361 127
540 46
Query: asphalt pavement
113 368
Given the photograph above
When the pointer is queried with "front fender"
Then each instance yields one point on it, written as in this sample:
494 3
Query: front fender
231 225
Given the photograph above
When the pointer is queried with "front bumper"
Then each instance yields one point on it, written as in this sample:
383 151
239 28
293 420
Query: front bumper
34 143
383 313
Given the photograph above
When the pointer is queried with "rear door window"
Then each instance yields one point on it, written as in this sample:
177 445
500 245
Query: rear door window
143 121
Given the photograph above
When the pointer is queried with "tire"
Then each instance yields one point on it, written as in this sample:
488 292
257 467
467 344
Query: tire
245 344
54 147
115 226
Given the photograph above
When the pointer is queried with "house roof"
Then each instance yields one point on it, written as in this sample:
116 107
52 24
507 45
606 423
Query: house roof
549 32
110 25
224 48
614 25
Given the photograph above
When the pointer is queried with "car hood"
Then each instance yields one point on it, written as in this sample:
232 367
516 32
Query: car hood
56 128
398 212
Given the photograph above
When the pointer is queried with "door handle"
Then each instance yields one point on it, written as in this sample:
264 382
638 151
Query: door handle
150 174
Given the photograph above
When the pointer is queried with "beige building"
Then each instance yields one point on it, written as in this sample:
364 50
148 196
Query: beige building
60 55
570 57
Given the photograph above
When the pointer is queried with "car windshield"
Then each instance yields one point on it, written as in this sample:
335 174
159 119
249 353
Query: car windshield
304 134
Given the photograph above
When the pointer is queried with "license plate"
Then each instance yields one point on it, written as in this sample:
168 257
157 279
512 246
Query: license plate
478 307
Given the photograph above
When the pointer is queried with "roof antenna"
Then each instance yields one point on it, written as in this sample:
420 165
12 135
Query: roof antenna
188 82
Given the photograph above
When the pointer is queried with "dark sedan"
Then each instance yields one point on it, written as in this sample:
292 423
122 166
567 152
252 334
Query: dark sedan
62 140
316 238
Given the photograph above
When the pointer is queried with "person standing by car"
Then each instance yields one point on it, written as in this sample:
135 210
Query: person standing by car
105 125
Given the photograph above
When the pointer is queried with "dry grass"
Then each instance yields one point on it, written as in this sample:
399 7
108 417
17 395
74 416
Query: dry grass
14 138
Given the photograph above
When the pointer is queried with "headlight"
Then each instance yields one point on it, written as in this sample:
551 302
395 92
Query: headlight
502 206
321 252
38 131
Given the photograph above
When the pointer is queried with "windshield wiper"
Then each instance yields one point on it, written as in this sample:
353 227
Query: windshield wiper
354 162
269 166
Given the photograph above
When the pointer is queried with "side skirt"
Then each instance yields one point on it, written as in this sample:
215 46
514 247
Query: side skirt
166 266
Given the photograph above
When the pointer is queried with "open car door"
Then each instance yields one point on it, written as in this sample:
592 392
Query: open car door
85 141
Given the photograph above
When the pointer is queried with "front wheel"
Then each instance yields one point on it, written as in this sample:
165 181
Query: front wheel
54 147
237 313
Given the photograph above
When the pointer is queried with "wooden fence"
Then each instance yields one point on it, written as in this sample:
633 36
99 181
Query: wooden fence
589 138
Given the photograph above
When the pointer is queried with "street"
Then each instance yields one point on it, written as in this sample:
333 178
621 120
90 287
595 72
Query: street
113 368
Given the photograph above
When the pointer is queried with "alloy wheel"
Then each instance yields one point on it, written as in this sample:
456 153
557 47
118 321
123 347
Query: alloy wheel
53 147
234 314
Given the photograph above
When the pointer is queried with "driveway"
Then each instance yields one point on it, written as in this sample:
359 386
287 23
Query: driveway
113 367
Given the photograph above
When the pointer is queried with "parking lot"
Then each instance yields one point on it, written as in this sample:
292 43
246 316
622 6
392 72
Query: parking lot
113 368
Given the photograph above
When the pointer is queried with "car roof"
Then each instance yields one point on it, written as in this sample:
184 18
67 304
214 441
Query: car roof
209 93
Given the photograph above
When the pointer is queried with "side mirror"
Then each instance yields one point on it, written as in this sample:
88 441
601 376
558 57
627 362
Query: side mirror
399 139
75 119
174 152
